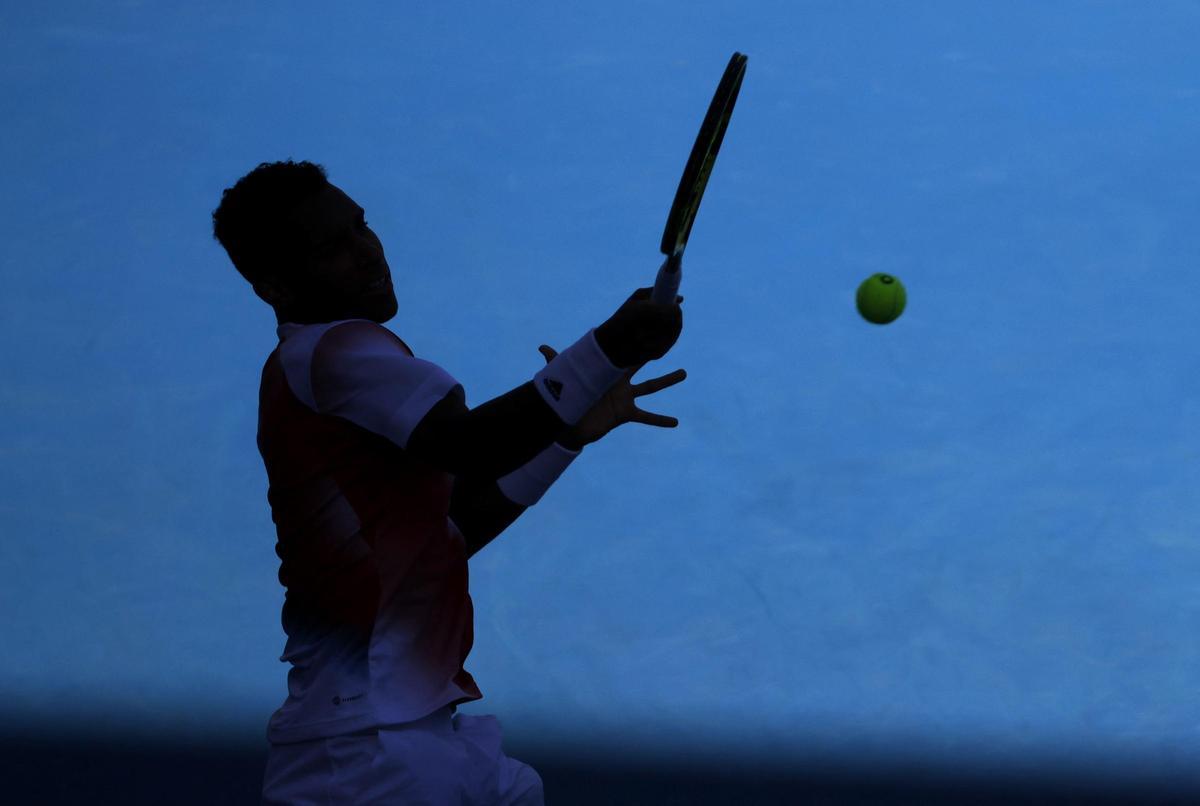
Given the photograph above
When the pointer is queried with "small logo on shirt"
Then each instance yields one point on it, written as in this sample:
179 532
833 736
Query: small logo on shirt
553 387
342 700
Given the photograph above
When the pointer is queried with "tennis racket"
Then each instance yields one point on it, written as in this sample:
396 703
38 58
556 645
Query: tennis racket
695 178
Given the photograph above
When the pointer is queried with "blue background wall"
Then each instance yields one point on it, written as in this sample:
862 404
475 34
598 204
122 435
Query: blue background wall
968 537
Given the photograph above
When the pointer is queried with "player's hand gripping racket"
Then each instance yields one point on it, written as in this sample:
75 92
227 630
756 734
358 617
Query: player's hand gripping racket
695 177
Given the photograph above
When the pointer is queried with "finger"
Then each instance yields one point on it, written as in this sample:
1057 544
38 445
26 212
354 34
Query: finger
650 418
658 384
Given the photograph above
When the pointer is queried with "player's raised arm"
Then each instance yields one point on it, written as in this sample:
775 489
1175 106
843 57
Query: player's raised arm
503 434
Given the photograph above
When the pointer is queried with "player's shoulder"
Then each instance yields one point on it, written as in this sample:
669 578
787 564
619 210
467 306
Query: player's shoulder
359 334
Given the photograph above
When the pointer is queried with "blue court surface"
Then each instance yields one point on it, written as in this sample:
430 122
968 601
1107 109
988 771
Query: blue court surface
956 555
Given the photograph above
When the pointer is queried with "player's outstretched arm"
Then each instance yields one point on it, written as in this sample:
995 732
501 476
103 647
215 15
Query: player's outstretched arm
479 508
618 406
490 440
504 434
481 511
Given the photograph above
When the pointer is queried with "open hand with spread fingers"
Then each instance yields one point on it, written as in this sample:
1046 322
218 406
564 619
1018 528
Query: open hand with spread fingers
617 406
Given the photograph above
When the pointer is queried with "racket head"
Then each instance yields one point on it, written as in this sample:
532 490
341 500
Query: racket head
700 161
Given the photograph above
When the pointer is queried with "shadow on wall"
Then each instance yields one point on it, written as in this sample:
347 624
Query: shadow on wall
116 771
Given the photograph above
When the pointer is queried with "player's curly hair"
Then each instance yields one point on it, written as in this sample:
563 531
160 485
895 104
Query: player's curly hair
253 220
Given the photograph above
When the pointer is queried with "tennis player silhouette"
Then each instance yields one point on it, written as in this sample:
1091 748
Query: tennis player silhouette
382 483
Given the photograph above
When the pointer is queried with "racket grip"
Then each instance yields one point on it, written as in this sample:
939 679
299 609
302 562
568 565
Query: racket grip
666 284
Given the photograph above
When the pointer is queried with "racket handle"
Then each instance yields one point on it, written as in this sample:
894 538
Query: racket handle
666 285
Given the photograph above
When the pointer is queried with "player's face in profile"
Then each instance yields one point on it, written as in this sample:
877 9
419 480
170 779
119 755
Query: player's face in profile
339 275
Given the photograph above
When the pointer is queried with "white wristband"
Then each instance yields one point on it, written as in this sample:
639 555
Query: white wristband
577 378
527 484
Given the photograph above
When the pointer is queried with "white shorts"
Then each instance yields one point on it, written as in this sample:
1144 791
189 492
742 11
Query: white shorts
445 759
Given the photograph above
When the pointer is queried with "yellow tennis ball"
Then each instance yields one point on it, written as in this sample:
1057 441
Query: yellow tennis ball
881 299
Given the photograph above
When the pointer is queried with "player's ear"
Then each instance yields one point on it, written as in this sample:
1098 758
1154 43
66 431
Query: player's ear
276 282
271 292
